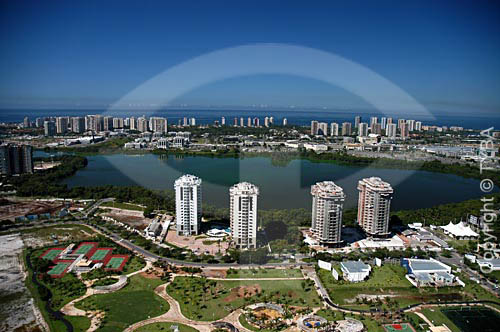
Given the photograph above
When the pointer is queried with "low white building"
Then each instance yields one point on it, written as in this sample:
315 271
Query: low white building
355 271
489 264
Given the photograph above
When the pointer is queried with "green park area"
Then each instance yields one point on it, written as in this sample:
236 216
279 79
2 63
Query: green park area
389 283
206 300
264 273
155 327
133 303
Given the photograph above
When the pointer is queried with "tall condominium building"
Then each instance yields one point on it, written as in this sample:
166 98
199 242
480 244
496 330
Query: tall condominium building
266 121
39 122
401 122
374 205
26 122
188 205
271 120
391 130
334 129
389 120
118 123
158 125
256 122
142 124
78 125
357 121
133 123
61 124
49 128
314 127
235 122
192 122
373 120
383 122
223 121
405 130
107 123
16 159
185 122
327 206
376 128
285 121
242 122
418 126
363 129
323 128
346 129
243 214
249 122
411 125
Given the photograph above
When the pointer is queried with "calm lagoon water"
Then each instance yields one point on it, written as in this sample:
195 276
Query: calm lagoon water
281 187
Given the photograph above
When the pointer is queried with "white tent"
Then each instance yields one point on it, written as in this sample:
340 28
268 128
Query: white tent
459 230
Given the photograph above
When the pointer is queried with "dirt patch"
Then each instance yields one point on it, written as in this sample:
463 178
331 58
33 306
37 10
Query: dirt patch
266 313
243 292
215 273
153 273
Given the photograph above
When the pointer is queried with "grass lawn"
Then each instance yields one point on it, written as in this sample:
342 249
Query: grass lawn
135 302
134 263
438 318
123 206
165 327
80 323
386 280
203 299
264 273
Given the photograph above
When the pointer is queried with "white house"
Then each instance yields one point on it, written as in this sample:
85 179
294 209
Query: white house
355 271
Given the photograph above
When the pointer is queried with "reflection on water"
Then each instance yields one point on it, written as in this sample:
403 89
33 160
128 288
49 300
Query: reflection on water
283 183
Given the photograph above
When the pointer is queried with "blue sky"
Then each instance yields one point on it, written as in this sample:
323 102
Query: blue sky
446 54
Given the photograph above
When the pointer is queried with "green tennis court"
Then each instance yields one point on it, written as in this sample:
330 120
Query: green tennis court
99 254
115 262
52 254
83 249
58 269
401 327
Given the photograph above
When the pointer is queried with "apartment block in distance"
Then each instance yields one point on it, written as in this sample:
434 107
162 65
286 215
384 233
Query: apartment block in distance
327 206
243 214
374 205
16 159
188 205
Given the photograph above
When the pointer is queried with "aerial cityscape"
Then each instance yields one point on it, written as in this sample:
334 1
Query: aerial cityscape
245 186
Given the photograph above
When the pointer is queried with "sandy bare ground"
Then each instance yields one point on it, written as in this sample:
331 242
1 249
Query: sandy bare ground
196 245
17 304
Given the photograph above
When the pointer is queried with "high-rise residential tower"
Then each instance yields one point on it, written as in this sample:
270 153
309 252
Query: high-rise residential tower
346 129
314 127
363 129
188 205
334 129
243 214
327 206
374 206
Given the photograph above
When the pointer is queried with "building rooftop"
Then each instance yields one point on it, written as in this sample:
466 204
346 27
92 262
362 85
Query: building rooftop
377 184
327 189
244 188
355 266
418 265
188 180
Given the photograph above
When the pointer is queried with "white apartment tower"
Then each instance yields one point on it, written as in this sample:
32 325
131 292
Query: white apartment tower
188 204
334 129
374 206
327 206
243 214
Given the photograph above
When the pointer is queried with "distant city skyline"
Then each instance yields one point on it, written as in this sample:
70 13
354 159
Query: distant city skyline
89 54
